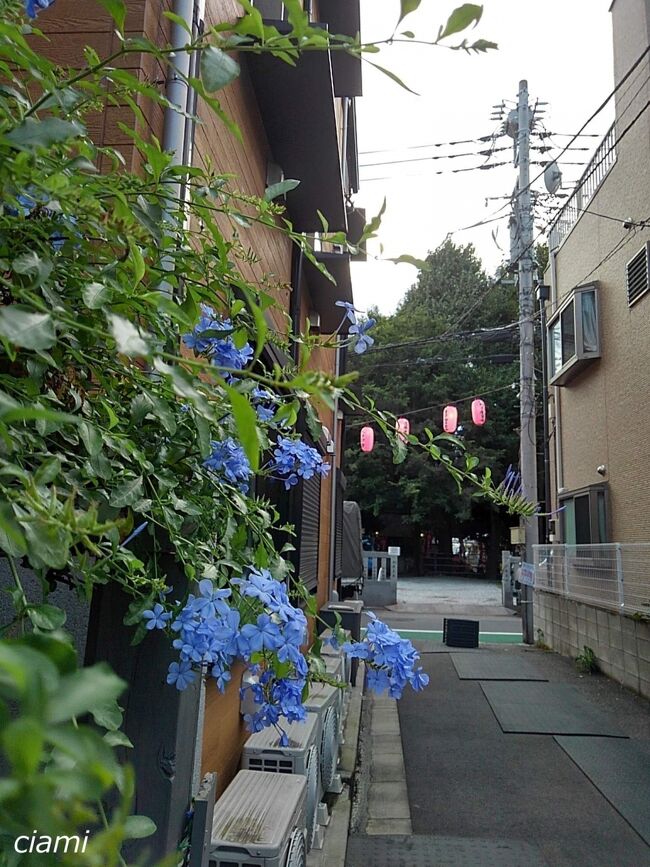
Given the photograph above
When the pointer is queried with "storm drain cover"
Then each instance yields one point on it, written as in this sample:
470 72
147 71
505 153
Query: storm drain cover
491 665
425 851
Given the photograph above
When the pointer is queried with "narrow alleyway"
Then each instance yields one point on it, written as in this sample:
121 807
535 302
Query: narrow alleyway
508 758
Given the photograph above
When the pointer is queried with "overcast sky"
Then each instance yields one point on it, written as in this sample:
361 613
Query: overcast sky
562 47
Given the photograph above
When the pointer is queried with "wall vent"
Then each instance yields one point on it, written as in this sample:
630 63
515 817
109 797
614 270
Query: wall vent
636 276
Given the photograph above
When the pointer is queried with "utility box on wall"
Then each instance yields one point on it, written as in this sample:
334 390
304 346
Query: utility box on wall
517 536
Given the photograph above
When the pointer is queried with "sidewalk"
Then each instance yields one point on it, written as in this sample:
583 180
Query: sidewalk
477 795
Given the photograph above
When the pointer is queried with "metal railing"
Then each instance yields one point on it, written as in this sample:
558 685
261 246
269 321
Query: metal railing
584 191
380 565
615 576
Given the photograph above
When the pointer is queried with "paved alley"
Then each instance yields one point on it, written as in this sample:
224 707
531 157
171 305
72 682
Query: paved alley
509 757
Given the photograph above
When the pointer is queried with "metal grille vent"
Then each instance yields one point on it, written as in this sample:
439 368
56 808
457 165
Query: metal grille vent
329 747
637 276
296 854
271 764
313 792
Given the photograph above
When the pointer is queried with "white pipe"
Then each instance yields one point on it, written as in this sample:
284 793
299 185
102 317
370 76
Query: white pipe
559 466
334 477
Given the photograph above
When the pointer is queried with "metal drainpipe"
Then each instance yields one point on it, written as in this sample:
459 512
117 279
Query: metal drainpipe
334 477
175 130
559 467
177 138
344 145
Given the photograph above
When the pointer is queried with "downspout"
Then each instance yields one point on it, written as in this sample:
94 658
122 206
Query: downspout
338 445
559 467
345 174
175 128
177 139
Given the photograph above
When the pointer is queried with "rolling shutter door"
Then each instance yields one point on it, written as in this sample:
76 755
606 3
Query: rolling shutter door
309 532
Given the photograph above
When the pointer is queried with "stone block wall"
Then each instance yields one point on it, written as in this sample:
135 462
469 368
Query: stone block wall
620 643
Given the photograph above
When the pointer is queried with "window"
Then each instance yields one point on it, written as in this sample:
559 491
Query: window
636 275
573 335
584 516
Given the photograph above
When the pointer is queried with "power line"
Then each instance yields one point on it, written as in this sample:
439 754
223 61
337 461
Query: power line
479 140
484 153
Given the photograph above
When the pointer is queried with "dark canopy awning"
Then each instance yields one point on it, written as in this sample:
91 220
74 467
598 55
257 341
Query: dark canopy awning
297 108
324 294
343 17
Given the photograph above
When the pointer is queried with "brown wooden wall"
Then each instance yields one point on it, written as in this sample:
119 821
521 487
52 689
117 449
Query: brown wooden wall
71 25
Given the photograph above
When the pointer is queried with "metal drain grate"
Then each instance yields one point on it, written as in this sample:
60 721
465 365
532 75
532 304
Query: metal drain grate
425 851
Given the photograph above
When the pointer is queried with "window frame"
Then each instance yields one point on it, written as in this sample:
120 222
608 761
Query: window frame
581 357
592 492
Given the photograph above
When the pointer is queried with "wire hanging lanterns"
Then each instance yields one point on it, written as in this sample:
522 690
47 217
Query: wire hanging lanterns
367 439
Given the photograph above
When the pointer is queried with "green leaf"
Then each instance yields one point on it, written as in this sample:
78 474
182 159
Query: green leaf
117 739
108 715
127 336
420 264
91 438
127 493
246 421
139 267
461 18
33 134
32 263
279 189
23 328
117 10
23 743
48 471
83 690
47 544
12 538
47 617
406 7
217 68
178 20
96 295
393 77
137 827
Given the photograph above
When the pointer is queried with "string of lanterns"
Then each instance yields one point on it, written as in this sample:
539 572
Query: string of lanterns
449 424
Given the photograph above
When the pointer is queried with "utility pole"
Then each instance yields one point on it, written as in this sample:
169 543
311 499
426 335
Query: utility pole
527 437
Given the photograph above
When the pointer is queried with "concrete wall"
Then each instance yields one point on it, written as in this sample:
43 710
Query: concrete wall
605 411
621 644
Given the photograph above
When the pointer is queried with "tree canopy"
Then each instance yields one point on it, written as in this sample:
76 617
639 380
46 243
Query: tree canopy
452 338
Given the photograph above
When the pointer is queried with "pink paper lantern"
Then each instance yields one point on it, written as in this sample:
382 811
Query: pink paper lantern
367 439
403 428
450 419
479 413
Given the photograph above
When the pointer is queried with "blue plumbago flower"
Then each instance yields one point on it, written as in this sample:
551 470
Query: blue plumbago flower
391 661
220 349
180 674
264 634
32 6
265 403
229 460
350 311
210 602
362 341
156 617
294 460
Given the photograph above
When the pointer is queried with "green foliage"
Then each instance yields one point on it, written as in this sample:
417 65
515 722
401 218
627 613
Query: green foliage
586 662
432 351
57 766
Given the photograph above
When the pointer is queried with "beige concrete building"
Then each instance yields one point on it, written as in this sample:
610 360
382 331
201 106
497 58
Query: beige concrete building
599 317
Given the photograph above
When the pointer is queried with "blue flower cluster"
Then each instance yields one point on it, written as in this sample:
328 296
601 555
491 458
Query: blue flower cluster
229 460
265 403
210 636
358 328
391 661
219 347
32 6
294 460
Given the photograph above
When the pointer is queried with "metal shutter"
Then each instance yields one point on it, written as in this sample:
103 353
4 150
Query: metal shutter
309 532
338 547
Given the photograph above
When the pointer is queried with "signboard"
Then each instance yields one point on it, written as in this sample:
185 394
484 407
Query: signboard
527 574
394 551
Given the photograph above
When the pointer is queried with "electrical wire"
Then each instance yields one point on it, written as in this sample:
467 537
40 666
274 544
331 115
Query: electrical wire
485 153
479 140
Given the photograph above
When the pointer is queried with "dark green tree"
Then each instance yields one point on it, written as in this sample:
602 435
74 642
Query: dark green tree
453 338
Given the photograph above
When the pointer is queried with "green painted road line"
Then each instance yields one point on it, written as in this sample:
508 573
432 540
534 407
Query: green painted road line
485 637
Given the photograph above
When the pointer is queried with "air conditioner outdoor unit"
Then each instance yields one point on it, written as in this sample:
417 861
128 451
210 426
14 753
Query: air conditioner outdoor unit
259 821
335 667
328 650
324 700
262 752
